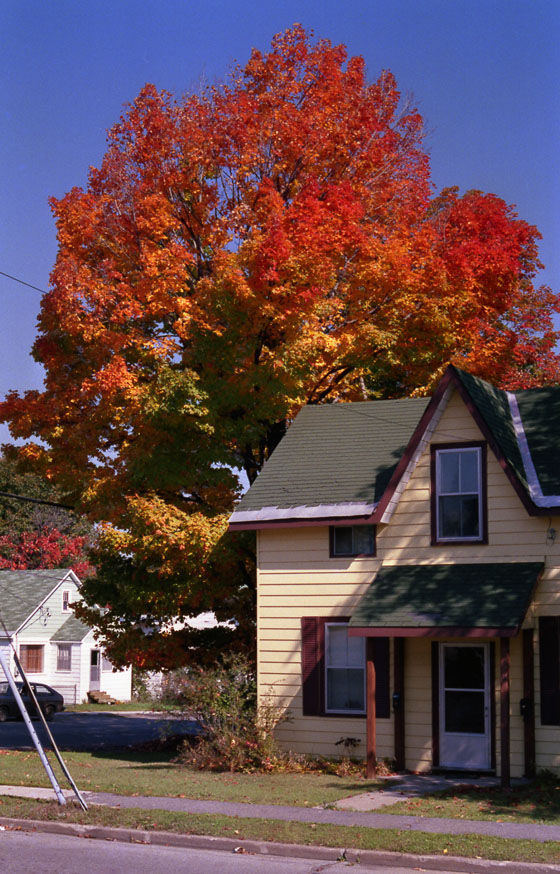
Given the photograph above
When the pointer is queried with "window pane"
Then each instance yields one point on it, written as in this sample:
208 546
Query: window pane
464 667
469 471
448 472
363 539
343 541
450 516
106 665
356 652
41 690
464 712
345 689
337 644
469 514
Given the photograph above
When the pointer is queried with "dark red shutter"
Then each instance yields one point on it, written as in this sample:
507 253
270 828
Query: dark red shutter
312 663
381 662
549 649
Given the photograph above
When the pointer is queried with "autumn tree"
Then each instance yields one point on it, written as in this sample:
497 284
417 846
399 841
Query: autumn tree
36 529
261 245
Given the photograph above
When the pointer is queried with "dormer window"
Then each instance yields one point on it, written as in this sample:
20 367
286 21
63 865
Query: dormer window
458 493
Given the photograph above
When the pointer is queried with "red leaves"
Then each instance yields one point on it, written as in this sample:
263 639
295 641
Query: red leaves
44 549
269 243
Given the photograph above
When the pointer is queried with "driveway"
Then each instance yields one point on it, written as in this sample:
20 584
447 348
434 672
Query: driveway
94 731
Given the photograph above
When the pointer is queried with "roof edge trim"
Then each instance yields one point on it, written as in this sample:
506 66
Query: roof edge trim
319 511
535 488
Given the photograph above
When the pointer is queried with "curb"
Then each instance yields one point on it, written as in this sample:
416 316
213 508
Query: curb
296 851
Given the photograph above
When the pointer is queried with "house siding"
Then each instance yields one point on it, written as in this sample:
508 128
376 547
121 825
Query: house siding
296 578
40 627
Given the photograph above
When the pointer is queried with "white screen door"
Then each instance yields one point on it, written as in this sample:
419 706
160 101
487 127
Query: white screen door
464 706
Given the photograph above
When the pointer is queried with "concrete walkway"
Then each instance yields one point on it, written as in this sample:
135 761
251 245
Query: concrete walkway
359 815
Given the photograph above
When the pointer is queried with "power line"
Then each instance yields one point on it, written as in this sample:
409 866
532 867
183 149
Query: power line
35 501
22 282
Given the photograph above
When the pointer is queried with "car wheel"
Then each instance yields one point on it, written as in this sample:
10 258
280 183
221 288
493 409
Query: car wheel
3 714
49 712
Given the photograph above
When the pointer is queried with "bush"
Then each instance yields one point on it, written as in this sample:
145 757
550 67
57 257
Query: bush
235 733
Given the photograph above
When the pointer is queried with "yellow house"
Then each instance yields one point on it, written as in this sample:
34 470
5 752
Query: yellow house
408 556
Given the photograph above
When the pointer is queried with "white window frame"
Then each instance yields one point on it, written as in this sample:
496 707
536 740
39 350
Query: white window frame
328 667
65 601
459 450
68 647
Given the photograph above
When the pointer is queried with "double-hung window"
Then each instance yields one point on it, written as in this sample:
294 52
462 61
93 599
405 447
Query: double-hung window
64 657
345 680
458 507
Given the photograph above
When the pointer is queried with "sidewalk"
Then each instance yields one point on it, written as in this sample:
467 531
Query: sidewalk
355 817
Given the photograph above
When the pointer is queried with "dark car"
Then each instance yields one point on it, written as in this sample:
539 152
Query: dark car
50 701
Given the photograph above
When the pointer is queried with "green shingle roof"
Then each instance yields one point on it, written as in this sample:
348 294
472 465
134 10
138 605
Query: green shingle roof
21 592
540 414
336 454
492 404
71 631
336 460
448 596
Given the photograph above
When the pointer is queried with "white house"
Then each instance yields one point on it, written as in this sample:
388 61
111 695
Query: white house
53 646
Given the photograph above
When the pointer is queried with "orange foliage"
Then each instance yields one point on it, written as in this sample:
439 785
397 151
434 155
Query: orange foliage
241 252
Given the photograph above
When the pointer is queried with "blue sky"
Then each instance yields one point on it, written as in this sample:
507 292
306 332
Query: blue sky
484 74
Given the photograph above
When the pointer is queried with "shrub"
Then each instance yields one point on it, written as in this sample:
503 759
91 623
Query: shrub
235 733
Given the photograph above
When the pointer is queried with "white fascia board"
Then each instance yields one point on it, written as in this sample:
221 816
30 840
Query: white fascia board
425 440
319 511
535 489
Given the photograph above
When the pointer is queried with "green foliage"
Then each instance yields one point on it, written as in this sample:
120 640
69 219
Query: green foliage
17 517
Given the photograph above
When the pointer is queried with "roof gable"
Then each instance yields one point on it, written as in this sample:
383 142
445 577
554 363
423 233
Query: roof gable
352 461
22 592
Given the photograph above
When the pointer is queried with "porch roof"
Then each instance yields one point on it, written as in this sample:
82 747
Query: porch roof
466 600
72 631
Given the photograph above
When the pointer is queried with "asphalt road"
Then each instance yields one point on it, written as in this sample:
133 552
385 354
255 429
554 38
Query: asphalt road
94 731
38 853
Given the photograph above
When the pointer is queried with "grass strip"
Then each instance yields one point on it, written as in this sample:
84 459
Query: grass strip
535 802
156 774
308 834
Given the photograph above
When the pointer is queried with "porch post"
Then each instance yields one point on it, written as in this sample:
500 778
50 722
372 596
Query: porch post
504 712
529 706
398 689
370 709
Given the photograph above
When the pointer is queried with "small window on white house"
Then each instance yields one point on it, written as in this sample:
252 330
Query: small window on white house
64 657
106 664
65 602
459 498
345 667
31 658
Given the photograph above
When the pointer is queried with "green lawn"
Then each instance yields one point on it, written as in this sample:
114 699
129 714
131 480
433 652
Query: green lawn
357 838
155 774
538 802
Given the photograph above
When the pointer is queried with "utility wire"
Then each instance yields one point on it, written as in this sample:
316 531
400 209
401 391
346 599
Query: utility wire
22 282
36 501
